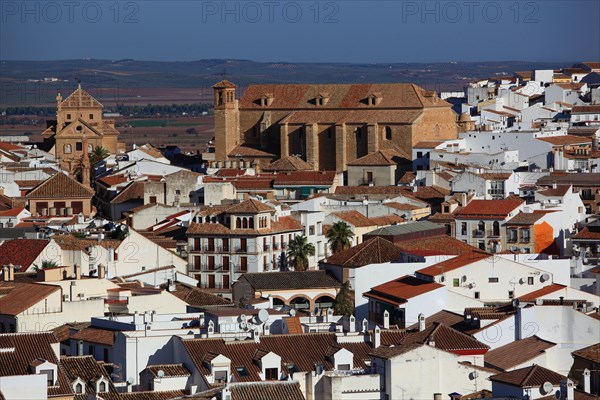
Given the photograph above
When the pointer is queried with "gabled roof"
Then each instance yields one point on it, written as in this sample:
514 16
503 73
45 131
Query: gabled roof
305 178
293 280
224 84
197 297
89 371
353 217
523 218
133 191
565 140
453 263
169 370
380 158
546 290
591 353
60 186
21 252
22 296
19 350
489 208
80 98
399 291
528 377
266 391
516 353
96 335
373 251
245 151
560 191
289 163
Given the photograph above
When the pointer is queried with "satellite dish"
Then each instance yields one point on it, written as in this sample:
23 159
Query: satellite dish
292 313
516 303
263 315
160 373
546 388
243 318
544 277
521 281
130 380
464 278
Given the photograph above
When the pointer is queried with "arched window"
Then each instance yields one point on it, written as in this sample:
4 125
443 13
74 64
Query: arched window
102 387
79 388
481 226
238 222
245 223
67 148
388 133
251 223
496 228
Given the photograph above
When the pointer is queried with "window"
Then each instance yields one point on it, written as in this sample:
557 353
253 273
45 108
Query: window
242 371
329 133
67 149
388 133
68 117
271 374
463 228
492 280
525 235
220 376
105 358
92 350
102 387
311 230
476 295
419 154
343 367
455 282
79 388
152 200
512 235
78 146
91 116
358 133
511 294
49 376
530 280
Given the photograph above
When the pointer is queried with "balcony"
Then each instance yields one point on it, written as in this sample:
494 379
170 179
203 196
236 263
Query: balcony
241 249
267 247
492 233
369 182
240 269
478 233
275 246
208 285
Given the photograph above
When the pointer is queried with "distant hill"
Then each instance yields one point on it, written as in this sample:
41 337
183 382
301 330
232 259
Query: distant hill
23 81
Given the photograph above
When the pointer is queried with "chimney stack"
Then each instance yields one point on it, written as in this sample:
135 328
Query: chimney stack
421 322
386 319
586 381
77 271
376 337
101 271
567 389
11 273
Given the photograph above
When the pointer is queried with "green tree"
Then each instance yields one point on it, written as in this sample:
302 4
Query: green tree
344 301
339 237
298 252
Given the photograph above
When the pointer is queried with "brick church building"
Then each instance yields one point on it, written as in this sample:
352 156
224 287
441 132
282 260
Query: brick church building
79 121
328 125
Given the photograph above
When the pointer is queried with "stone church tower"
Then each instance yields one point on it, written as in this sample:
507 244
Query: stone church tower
227 119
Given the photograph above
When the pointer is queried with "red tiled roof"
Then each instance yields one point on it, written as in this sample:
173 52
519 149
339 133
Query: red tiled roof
96 335
269 390
489 208
289 163
133 191
293 324
231 172
22 296
13 212
306 178
591 353
516 353
453 263
372 251
169 370
536 294
112 180
354 217
250 206
587 234
442 245
21 252
400 290
60 186
565 139
534 376
560 191
380 158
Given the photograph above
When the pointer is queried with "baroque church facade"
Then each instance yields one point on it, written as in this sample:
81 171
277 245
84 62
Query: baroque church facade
327 125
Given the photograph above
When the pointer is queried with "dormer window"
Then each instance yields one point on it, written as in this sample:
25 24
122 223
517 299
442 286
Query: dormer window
78 388
101 385
374 99
49 376
322 99
44 367
267 99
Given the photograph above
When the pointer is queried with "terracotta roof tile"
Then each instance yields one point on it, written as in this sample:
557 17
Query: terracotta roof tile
112 180
21 252
13 212
372 251
133 191
294 280
250 206
560 191
170 370
89 371
587 234
489 208
399 291
245 151
380 158
516 353
60 186
441 245
354 217
19 297
158 395
197 297
534 376
266 391
591 353
536 294
308 178
565 140
96 335
289 163
453 263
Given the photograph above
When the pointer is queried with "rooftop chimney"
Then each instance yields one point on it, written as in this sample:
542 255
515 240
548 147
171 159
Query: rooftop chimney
77 271
101 271
567 389
586 381
386 319
376 337
421 322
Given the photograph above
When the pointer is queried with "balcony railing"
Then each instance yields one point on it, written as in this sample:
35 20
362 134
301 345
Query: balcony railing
492 233
275 246
241 249
478 234
267 247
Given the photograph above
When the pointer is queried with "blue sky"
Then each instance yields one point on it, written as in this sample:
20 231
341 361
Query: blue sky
301 31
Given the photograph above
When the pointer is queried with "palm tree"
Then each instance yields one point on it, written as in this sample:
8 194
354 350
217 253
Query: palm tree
46 264
99 153
298 252
339 237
